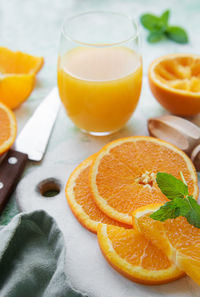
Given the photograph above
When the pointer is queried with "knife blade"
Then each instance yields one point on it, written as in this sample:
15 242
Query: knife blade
35 135
29 145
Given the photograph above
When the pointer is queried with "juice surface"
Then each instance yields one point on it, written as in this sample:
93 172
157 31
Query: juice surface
100 87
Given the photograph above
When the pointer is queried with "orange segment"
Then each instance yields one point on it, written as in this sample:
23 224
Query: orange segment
8 128
81 201
179 240
14 89
17 78
175 82
122 176
135 257
18 62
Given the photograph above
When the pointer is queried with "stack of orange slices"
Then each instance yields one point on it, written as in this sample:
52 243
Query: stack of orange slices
112 194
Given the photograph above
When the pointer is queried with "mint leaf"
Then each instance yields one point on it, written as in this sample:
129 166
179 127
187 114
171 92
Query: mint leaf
165 17
170 186
155 36
171 210
150 21
184 206
193 216
168 211
177 34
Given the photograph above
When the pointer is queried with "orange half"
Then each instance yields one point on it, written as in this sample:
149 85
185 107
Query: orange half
175 82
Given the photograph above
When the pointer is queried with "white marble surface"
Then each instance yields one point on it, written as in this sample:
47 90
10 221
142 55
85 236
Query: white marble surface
33 26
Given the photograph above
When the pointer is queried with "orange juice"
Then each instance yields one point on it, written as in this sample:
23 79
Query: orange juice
100 87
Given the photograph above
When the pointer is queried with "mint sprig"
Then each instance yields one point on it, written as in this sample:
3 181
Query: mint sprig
159 28
180 204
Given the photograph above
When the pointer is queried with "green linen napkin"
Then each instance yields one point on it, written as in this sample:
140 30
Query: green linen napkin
32 258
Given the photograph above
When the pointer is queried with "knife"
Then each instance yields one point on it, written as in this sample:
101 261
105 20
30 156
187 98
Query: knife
29 145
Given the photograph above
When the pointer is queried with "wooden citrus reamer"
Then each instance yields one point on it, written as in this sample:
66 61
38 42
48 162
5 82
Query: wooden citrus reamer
180 132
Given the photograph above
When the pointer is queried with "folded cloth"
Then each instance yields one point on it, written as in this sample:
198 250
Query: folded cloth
32 258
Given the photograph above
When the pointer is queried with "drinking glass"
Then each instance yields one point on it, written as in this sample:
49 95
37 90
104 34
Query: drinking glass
99 70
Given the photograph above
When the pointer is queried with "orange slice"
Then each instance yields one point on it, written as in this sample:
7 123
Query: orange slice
135 257
17 78
175 82
8 128
122 176
179 240
81 201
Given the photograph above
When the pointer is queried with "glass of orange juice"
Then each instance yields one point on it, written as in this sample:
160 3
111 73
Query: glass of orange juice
99 70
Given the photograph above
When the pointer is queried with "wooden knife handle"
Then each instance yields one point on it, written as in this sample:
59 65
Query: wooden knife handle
11 169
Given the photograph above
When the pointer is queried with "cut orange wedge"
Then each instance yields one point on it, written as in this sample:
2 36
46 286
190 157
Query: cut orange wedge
175 82
135 257
123 174
8 128
179 240
81 201
17 78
